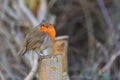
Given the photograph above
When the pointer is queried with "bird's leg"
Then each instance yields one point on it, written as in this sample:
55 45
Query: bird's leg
38 54
42 56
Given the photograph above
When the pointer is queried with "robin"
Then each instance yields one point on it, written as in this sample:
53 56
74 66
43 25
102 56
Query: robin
38 39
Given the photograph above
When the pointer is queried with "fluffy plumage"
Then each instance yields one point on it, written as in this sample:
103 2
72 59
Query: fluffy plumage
38 38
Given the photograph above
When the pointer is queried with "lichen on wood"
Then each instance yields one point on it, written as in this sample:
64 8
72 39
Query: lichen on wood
51 68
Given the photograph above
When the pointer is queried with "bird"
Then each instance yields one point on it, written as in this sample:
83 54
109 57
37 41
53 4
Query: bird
38 39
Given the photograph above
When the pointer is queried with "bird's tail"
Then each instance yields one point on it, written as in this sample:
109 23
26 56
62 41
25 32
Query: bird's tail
22 51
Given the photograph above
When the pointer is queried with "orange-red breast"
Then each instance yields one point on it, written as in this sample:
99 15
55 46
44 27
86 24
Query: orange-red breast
38 38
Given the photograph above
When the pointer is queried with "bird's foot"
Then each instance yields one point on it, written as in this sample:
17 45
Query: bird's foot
44 57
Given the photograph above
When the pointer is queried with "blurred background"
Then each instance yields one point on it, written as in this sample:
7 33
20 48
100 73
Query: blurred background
93 27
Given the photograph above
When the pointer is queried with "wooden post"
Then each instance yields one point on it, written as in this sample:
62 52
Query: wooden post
61 46
51 68
55 67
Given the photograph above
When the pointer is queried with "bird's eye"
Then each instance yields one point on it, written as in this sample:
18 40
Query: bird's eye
47 26
43 25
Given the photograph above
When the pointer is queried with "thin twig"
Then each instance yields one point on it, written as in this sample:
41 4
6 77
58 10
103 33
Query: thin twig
31 75
11 13
111 33
109 64
1 75
103 49
28 13
89 26
7 67
42 10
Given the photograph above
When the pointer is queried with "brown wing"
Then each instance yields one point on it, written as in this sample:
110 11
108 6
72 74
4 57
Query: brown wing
34 39
22 51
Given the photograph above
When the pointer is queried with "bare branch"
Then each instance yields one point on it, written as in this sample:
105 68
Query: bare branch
33 71
111 33
1 75
28 13
42 10
109 64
